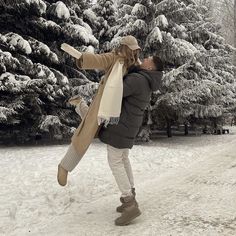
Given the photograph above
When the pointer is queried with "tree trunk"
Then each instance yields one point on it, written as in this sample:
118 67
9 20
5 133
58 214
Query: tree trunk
169 133
185 129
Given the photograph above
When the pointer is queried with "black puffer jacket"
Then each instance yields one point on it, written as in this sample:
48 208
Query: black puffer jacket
137 90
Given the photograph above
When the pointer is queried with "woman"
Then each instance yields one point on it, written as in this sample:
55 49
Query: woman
138 85
115 64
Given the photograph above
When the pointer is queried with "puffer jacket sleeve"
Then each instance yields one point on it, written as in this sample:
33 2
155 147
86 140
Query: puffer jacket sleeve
95 61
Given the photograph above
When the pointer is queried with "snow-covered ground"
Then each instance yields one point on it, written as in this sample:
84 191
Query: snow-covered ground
185 186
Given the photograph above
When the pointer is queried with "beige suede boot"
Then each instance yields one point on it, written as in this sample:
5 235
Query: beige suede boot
130 212
62 175
123 205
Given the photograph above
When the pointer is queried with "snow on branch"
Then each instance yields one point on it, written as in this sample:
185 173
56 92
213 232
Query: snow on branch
87 91
176 51
139 11
140 25
5 113
201 111
133 27
80 33
13 82
8 62
61 79
184 15
34 6
91 16
161 21
154 37
167 6
59 10
115 42
16 43
125 10
41 49
49 121
48 26
180 31
43 72
171 76
41 6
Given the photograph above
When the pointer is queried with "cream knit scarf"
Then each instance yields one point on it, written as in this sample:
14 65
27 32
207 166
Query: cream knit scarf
110 105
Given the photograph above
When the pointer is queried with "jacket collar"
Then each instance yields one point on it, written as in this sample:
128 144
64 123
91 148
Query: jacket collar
153 77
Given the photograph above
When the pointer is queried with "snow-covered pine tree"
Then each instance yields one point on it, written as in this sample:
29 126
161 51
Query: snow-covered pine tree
134 18
36 77
101 16
199 79
106 14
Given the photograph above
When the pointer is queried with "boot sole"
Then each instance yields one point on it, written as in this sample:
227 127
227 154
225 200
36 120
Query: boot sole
61 183
127 222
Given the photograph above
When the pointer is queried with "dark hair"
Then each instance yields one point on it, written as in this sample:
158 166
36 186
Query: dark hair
158 63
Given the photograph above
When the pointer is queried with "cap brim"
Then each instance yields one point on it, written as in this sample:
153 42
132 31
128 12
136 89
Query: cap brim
134 47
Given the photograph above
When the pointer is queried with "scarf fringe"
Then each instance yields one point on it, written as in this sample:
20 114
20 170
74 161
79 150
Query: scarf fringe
108 121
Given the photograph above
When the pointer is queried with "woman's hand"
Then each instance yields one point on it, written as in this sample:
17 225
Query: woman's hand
71 50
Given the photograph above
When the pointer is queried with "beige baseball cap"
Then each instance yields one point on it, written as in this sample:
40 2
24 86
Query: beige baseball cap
130 41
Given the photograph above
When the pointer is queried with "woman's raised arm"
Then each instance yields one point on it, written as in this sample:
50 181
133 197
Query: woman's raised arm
95 61
90 60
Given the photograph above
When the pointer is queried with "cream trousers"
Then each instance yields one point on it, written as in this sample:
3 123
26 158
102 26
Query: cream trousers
71 158
118 160
119 163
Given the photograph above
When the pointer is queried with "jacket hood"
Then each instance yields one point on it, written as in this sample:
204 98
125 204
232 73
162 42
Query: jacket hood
154 78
